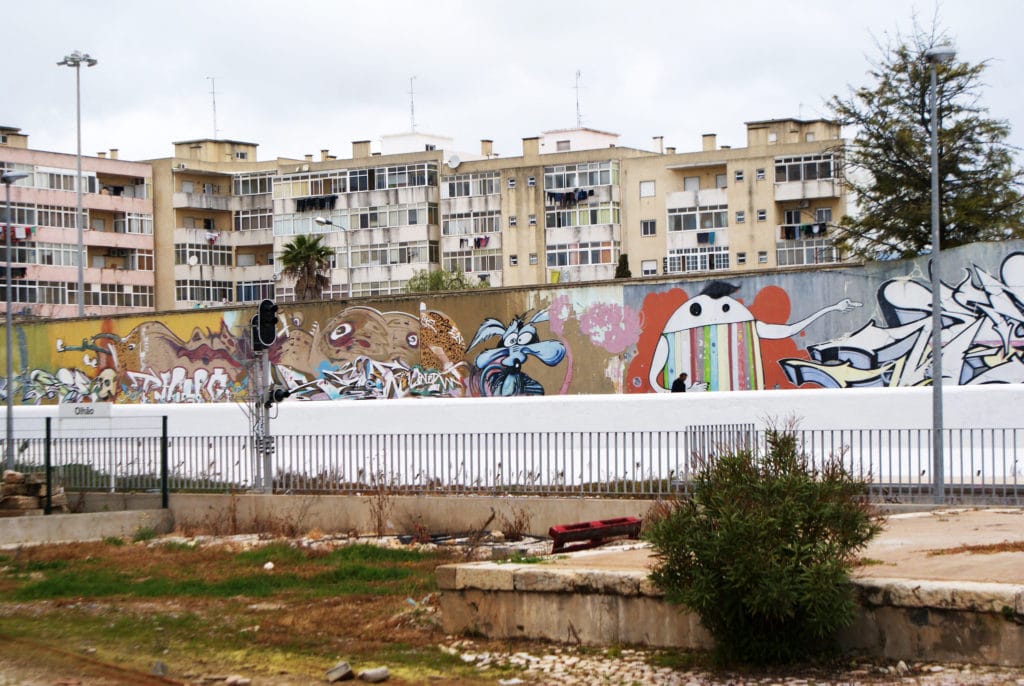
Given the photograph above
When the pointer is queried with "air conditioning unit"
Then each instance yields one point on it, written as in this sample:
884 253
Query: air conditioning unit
277 276
180 165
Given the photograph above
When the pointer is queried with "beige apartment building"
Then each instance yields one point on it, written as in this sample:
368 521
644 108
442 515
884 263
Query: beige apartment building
214 214
206 226
117 250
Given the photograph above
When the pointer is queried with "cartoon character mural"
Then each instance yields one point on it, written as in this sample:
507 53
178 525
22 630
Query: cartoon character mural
364 353
716 340
982 335
499 370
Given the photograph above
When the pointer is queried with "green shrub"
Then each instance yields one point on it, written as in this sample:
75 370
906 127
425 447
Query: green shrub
761 550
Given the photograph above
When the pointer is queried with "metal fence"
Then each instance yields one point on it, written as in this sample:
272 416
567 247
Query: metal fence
979 465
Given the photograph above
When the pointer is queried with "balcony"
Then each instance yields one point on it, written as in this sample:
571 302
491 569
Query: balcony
583 272
577 234
704 197
692 239
201 201
795 232
807 190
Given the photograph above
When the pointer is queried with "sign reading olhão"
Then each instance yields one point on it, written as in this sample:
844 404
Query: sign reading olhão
84 410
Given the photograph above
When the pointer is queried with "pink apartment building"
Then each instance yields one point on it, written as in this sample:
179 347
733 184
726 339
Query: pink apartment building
117 208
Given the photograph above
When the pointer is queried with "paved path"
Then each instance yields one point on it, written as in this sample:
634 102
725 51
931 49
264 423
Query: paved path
906 549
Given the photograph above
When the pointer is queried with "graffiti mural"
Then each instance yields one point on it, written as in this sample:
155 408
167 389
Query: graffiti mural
717 341
499 370
982 335
766 330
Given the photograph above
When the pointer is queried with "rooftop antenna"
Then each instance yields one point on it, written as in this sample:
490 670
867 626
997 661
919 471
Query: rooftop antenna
579 117
412 105
213 94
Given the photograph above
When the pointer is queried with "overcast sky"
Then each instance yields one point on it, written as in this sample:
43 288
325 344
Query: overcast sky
297 76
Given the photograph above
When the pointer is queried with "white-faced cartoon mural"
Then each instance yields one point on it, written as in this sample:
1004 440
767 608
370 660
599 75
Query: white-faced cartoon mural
716 340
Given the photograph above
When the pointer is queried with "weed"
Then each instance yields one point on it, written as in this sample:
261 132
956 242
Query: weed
514 526
143 533
113 540
381 503
519 558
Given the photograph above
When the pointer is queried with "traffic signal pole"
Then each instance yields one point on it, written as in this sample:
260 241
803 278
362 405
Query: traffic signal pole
263 330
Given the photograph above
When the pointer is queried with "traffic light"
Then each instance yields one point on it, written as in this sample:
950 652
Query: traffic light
275 394
264 326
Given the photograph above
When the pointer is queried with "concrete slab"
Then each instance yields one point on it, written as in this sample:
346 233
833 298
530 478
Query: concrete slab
928 588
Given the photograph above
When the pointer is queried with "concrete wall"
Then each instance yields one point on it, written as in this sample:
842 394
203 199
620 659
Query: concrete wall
840 327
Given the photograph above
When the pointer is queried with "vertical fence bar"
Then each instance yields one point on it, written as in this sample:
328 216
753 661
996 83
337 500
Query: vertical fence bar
48 469
164 486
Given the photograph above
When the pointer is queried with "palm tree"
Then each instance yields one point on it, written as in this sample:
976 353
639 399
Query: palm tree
306 260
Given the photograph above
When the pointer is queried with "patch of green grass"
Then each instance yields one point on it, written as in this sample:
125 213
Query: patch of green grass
178 546
679 660
113 540
277 552
144 533
365 552
519 558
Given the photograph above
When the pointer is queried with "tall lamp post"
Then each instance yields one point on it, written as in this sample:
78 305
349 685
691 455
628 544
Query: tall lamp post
324 221
942 54
9 178
75 61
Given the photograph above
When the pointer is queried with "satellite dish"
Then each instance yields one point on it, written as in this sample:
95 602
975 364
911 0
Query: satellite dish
454 161
193 260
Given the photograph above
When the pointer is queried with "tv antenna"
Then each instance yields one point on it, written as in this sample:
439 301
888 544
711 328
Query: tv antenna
412 105
579 117
213 95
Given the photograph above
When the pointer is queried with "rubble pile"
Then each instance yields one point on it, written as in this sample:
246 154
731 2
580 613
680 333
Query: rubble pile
25 494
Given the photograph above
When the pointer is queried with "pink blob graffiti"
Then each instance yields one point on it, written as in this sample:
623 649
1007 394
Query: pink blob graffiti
611 326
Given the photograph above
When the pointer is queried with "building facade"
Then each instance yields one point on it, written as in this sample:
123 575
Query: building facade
117 248
206 226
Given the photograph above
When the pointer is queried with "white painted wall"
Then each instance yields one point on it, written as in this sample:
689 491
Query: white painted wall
991 406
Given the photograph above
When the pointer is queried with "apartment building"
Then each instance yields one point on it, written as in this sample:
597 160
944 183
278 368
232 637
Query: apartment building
117 254
214 213
378 213
770 204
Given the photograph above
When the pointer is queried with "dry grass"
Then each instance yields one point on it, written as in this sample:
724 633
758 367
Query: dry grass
981 549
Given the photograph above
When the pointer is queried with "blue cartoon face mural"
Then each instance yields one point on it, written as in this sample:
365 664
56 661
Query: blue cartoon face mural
499 370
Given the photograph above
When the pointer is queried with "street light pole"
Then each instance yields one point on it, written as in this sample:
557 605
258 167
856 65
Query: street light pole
8 179
324 221
942 54
75 60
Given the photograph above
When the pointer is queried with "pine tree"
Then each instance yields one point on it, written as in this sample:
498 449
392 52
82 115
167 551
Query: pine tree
888 166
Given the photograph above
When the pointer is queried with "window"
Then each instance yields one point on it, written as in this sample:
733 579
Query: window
582 175
533 258
693 218
759 174
574 254
531 181
533 220
762 215
699 259
762 257
252 184
562 146
649 268
466 223
809 137
772 136
484 183
741 258
513 260
187 187
741 216
721 181
511 182
648 227
239 155
691 183
646 189
738 175
512 221
823 215
804 168
806 251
